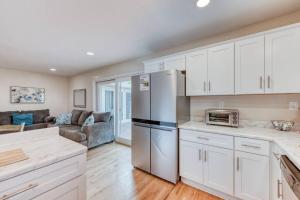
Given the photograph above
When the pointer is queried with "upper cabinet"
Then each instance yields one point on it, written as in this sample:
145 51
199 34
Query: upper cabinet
196 73
205 71
283 61
169 63
265 63
250 66
221 70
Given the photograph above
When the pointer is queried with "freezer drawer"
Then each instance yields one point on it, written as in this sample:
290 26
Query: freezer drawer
140 146
164 154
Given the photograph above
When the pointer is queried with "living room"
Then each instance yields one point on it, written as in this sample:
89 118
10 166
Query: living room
81 83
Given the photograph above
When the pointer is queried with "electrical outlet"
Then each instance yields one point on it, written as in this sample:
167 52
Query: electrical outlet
293 106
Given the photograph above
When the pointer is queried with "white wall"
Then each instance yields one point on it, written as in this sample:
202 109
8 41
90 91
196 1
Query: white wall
252 107
56 90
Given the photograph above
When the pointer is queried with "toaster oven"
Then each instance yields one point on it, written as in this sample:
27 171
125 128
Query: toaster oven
222 117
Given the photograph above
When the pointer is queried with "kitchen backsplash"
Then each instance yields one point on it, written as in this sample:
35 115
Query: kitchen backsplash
260 108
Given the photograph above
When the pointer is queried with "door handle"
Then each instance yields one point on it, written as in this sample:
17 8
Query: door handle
141 125
204 86
205 156
8 196
162 128
203 138
237 164
279 195
261 82
199 152
269 82
251 146
209 86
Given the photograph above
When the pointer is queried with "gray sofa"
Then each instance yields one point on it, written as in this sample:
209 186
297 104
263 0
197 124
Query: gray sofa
41 118
101 132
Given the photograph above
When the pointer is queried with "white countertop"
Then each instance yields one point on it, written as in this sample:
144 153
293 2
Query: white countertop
289 142
43 147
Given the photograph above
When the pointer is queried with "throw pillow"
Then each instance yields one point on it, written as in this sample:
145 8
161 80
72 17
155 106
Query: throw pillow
64 118
89 121
19 119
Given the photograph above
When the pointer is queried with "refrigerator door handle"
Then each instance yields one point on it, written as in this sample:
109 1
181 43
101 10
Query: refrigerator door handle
142 125
163 128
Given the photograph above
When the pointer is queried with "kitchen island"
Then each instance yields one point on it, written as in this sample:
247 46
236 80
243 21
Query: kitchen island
55 168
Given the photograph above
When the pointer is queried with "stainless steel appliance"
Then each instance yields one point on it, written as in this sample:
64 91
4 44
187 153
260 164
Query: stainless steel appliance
223 117
290 179
159 104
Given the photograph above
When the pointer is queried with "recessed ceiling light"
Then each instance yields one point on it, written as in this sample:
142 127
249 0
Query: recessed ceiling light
90 53
52 69
202 3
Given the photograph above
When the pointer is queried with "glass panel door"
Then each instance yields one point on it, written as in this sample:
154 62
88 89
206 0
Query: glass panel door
106 98
124 114
115 97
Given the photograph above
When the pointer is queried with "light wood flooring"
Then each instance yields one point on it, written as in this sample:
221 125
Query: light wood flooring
110 176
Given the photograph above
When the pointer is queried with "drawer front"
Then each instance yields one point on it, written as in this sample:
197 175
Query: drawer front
72 190
212 139
260 147
34 183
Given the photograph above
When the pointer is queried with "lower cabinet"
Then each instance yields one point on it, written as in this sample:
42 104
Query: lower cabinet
252 177
218 169
191 165
207 165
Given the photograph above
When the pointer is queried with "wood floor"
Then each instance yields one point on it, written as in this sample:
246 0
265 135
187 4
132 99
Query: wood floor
110 176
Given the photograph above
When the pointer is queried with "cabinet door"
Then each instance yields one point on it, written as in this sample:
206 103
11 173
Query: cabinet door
283 61
196 73
221 70
153 67
252 176
250 65
177 63
218 169
276 180
190 161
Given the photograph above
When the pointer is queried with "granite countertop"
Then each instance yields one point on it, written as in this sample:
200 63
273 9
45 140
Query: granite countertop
43 147
289 142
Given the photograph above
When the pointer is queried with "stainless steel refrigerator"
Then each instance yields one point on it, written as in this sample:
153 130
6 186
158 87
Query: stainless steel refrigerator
159 105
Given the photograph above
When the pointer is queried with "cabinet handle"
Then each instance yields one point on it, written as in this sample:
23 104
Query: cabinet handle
203 138
251 146
204 86
205 156
200 154
237 164
209 86
269 82
261 82
279 195
8 196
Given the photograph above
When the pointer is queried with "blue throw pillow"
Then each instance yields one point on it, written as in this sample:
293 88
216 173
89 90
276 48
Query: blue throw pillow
89 121
64 118
19 119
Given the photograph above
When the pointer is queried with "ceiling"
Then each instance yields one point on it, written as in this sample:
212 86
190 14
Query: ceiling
36 35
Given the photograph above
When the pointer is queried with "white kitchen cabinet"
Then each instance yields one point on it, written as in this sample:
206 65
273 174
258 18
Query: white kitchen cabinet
250 66
176 62
72 190
276 178
218 169
190 159
169 63
221 70
283 61
153 67
252 176
196 73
